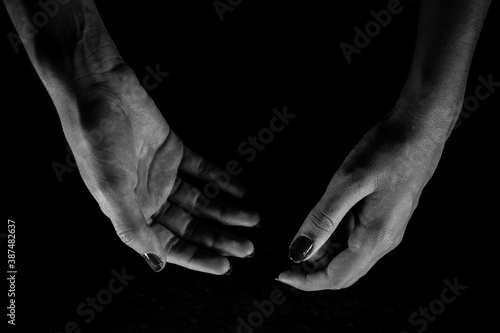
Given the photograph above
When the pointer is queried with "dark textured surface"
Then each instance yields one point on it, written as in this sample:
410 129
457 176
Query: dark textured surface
225 79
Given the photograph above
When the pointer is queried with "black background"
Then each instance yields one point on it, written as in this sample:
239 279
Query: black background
225 78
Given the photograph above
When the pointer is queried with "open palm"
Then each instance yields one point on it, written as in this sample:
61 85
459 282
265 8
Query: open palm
133 164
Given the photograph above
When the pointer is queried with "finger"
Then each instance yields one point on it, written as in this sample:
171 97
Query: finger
323 279
191 199
184 226
189 255
336 243
324 218
325 254
344 270
196 166
133 230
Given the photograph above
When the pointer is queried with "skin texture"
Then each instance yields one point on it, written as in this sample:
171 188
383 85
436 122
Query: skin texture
132 162
373 194
376 189
134 165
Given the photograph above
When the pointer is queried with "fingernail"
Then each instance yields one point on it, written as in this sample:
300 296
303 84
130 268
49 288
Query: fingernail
257 226
300 248
229 270
153 261
251 254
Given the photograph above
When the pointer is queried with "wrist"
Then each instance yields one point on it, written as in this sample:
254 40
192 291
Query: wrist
421 127
427 110
79 64
72 45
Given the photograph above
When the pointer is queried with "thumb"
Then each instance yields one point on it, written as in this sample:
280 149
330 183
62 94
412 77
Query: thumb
133 230
324 218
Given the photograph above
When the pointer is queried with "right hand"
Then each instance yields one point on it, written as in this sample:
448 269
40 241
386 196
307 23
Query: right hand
130 159
374 193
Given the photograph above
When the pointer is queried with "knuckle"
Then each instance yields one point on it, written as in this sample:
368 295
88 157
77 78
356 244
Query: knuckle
190 229
354 173
172 244
203 167
127 236
200 202
321 220
359 180
214 244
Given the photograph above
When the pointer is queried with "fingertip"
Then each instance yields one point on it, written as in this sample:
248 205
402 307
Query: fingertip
239 191
253 219
284 278
251 254
256 218
224 267
280 281
243 217
242 248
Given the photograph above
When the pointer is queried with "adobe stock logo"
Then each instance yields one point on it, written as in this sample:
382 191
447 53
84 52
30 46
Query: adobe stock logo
256 143
426 315
93 305
372 29
221 7
265 309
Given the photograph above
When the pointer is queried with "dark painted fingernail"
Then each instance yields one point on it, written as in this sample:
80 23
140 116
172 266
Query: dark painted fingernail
257 226
229 270
251 254
300 248
153 261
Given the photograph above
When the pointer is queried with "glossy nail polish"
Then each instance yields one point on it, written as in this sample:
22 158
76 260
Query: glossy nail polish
300 248
153 261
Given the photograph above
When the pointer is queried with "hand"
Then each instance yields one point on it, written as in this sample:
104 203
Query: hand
134 166
374 194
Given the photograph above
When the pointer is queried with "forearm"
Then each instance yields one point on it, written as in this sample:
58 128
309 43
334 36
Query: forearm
70 50
447 35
